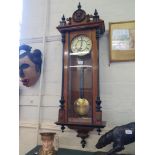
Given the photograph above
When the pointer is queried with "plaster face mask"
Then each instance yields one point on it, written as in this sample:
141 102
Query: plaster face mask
27 72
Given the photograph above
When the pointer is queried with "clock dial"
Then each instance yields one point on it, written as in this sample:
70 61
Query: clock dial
81 45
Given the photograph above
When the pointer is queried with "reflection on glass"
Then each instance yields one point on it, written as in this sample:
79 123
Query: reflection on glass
80 89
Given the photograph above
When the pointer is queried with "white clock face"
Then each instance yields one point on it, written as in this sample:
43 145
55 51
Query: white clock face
81 45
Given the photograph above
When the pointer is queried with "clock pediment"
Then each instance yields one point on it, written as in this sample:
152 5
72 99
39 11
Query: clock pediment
81 21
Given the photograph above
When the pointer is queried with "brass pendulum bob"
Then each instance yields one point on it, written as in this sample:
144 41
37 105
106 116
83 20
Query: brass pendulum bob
81 105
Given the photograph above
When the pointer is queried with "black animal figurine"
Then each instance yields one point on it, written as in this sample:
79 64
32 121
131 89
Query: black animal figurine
120 136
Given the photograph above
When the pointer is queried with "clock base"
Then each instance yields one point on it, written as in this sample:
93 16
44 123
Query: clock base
82 129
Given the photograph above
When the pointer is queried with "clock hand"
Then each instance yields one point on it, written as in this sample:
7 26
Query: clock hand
81 43
76 43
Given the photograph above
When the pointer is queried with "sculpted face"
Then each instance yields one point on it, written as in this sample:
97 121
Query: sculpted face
27 72
47 143
29 65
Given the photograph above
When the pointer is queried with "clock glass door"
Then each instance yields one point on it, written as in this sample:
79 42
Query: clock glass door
80 80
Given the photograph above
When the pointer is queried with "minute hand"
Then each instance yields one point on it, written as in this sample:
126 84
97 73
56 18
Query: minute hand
81 45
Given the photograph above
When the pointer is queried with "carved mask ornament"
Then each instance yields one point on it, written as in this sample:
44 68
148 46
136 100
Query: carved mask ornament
29 65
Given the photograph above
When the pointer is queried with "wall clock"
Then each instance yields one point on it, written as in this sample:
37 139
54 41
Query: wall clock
80 104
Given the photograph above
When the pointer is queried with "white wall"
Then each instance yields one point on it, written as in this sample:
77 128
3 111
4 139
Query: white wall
116 81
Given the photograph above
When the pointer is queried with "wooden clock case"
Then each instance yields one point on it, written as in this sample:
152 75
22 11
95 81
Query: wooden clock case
91 26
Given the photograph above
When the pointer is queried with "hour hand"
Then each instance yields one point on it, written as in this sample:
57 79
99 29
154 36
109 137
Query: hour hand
79 45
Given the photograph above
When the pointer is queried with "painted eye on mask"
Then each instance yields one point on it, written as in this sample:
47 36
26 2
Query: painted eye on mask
21 68
24 66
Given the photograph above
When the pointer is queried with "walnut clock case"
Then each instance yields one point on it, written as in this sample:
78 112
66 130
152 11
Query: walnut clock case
80 107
